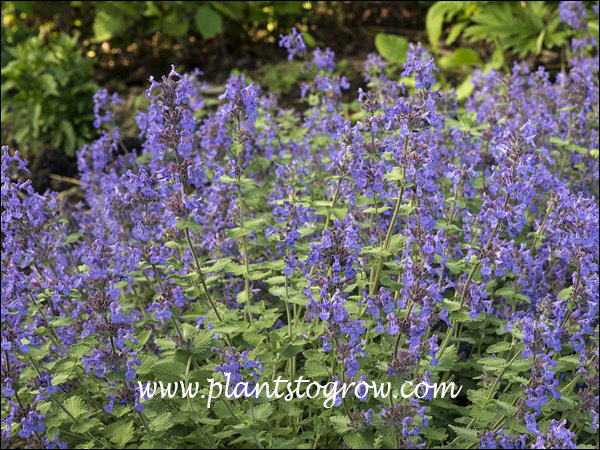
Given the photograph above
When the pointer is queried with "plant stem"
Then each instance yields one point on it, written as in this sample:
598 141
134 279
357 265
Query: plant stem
565 157
157 276
61 406
497 380
388 235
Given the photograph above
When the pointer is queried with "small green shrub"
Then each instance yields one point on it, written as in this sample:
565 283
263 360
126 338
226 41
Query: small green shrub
47 94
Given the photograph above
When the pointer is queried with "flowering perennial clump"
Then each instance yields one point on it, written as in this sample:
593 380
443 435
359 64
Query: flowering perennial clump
395 237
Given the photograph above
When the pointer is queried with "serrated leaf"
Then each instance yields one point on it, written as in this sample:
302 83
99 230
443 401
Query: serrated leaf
378 210
148 361
464 433
92 423
169 371
202 341
253 338
315 369
397 242
492 363
165 343
62 377
499 347
364 439
263 412
120 433
61 322
218 265
340 424
558 142
75 406
162 422
248 228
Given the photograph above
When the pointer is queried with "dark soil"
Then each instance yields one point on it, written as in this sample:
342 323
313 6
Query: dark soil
51 168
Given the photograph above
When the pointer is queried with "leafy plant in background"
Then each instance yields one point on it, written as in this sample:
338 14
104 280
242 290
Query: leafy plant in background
113 20
47 94
418 242
125 22
178 19
11 35
520 28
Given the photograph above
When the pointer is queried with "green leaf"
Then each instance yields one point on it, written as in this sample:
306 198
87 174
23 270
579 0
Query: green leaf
183 224
394 175
466 57
557 141
496 61
92 423
499 347
208 21
340 424
142 338
505 408
162 422
169 371
469 435
565 293
451 305
73 237
391 47
75 406
202 341
62 377
569 362
506 291
492 363
119 432
107 24
263 412
433 23
397 242
364 439
165 343
578 148
464 89
69 134
175 25
253 338
455 32
61 322
447 361
379 210
434 434
315 369
248 228
218 265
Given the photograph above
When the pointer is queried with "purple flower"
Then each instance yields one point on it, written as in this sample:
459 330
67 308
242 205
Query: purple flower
293 42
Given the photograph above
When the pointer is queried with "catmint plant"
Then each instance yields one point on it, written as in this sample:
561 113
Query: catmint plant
381 239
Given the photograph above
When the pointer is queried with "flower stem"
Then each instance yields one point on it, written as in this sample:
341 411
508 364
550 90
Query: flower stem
388 235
